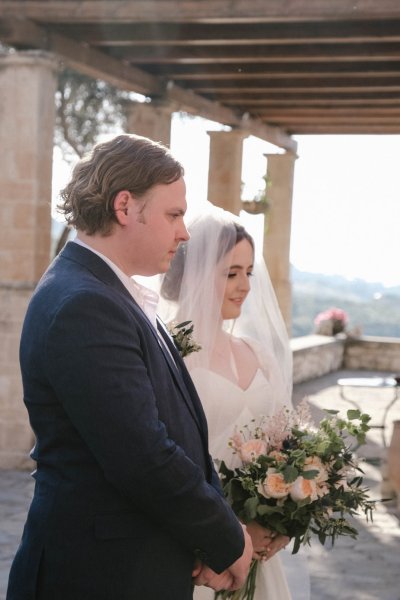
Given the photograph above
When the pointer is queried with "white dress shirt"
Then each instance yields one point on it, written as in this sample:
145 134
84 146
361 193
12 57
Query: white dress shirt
147 299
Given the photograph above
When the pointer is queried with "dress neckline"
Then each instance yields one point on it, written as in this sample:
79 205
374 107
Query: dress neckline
233 383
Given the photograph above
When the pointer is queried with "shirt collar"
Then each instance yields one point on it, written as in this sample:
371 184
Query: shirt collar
146 298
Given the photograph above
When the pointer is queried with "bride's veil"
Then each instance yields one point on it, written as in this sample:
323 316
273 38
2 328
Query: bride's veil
189 292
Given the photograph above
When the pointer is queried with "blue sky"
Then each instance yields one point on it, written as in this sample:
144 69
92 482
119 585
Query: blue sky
346 203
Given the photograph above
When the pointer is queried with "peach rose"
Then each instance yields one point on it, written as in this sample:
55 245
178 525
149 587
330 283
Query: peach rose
303 488
251 450
274 485
278 456
314 463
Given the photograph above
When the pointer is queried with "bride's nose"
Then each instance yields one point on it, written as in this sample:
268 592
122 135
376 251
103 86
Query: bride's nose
244 282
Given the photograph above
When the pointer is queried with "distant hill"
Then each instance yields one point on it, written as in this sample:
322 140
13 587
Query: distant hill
371 306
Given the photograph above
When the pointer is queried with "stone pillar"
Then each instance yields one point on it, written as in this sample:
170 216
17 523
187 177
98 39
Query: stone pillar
280 173
27 112
225 169
151 120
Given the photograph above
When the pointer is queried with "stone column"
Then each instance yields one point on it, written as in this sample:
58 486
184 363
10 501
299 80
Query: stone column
151 120
27 112
225 169
280 173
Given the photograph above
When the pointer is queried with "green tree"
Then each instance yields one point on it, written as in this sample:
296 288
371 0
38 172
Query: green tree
86 109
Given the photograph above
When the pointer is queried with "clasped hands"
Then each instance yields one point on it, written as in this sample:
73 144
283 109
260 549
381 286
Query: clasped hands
266 543
233 577
260 544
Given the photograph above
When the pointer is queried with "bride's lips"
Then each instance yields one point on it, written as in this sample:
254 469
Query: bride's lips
238 301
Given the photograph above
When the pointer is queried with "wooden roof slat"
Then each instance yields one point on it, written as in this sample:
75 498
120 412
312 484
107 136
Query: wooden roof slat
197 81
283 102
204 11
182 34
329 111
257 53
388 82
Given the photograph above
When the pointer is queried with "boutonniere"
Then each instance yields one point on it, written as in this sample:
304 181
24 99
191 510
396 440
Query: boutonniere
182 334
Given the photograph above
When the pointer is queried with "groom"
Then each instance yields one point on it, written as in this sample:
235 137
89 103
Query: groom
127 505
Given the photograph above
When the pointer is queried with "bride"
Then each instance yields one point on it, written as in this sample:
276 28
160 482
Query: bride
243 369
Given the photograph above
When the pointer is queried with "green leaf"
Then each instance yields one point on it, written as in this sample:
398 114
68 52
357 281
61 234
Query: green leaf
353 414
183 324
250 508
290 474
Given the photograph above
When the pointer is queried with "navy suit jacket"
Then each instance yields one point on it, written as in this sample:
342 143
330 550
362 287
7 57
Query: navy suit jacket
125 495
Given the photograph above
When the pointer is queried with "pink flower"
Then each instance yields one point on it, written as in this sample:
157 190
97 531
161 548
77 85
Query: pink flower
251 450
332 314
236 441
274 485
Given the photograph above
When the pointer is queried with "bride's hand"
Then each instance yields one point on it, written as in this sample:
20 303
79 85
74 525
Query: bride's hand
266 543
277 543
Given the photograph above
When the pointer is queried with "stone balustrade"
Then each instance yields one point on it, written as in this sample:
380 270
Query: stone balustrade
317 355
372 354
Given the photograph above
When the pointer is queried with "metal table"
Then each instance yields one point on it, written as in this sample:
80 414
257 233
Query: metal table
371 383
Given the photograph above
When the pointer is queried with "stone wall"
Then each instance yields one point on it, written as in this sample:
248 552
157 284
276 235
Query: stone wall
372 354
316 355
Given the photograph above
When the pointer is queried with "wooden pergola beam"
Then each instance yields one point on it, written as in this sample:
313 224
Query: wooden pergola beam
78 56
96 64
267 53
206 11
200 34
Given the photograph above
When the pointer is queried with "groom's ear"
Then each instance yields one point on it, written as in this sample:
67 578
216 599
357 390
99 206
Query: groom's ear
121 206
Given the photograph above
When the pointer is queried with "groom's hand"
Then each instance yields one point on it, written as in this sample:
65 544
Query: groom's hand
233 577
240 569
208 577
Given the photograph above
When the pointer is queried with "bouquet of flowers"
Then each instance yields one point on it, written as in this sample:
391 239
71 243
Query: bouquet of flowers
297 479
182 334
331 321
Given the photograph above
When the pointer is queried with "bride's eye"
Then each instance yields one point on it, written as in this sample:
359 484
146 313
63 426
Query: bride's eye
231 275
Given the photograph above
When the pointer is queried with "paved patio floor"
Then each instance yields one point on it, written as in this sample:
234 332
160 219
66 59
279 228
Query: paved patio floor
364 569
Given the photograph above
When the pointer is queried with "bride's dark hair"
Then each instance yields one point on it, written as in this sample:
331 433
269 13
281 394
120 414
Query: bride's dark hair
172 281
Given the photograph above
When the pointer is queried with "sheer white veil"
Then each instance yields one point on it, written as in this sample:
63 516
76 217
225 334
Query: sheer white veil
189 292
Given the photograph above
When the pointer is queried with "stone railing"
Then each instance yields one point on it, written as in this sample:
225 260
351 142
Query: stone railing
372 354
317 355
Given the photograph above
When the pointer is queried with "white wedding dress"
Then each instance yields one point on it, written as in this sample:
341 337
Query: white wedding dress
227 406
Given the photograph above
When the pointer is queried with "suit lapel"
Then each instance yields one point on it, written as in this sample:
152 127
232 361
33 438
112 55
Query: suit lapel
102 271
178 369
188 387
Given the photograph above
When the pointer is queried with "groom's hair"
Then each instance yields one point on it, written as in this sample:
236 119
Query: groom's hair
172 280
127 162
